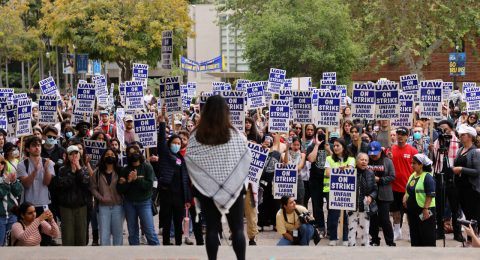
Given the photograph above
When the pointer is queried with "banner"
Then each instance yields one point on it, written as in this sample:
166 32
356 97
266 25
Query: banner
328 108
145 129
24 118
285 181
81 63
343 191
259 156
140 73
48 86
276 78
167 50
217 63
95 149
386 100
256 94
456 61
405 118
170 91
134 96
302 107
236 103
68 63
431 99
279 116
47 106
363 101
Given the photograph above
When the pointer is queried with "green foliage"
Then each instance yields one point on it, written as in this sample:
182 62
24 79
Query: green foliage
305 38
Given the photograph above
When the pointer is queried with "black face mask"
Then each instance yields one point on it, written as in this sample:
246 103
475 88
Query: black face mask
134 158
110 160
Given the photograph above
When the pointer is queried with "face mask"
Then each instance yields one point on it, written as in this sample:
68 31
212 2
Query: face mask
134 157
110 160
69 134
16 153
51 141
175 148
417 136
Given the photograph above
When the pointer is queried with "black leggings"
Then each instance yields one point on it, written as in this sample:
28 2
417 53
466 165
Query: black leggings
171 207
382 219
235 222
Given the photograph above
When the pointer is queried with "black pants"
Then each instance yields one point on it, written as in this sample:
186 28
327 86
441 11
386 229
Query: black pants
422 233
235 222
172 206
46 239
451 196
267 211
307 195
470 202
381 219
316 192
197 226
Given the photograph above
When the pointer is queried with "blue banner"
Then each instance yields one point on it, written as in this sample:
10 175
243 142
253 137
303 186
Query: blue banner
216 63
456 61
82 63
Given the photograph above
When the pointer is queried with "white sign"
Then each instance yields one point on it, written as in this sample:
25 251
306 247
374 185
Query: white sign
405 118
328 115
167 50
363 101
302 107
330 76
256 94
236 103
24 118
95 149
279 116
343 192
134 96
140 73
259 156
48 86
170 91
386 100
409 83
120 114
275 80
285 181
11 112
145 129
447 88
85 102
47 106
431 99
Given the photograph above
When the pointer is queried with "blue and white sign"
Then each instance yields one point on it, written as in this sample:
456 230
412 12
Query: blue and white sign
302 107
279 116
256 94
236 103
343 189
167 50
3 122
363 101
472 96
17 97
48 86
330 76
134 95
120 114
259 156
85 102
343 90
328 84
447 90
101 83
287 84
409 83
47 106
192 89
170 89
285 181
328 115
276 78
186 98
405 118
431 99
3 103
386 100
218 87
145 129
24 118
242 85
11 112
140 73
95 149
8 93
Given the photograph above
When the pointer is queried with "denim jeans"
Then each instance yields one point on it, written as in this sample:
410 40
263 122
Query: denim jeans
5 226
142 210
332 224
306 234
110 222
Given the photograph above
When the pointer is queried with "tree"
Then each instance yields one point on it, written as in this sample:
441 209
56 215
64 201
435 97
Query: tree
305 38
412 30
121 31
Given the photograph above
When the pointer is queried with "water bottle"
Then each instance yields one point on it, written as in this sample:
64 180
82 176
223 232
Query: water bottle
366 207
186 224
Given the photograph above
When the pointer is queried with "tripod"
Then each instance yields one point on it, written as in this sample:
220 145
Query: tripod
442 153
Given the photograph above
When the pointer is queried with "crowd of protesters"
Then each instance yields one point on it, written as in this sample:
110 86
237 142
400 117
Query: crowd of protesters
430 172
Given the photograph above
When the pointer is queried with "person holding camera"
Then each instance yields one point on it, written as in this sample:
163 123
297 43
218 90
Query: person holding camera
419 200
471 233
293 229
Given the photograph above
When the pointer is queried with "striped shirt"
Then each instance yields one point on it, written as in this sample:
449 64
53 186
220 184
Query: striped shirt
30 235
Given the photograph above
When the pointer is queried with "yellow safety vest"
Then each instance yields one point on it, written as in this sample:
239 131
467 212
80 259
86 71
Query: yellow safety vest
334 164
420 195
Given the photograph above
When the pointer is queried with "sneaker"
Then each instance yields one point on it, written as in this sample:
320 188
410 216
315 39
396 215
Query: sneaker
374 243
391 244
345 243
187 241
252 242
332 243
143 240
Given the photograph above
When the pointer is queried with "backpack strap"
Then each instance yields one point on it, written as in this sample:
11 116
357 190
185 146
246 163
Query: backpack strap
26 163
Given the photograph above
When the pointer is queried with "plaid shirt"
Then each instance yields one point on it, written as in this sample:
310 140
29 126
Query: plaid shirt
452 153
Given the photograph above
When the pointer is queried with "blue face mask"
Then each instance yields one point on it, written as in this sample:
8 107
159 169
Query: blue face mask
417 136
51 141
69 134
175 148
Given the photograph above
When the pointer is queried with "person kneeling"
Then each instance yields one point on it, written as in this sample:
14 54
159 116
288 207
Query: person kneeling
290 226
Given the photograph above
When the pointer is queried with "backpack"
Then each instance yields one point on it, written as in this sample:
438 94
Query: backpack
25 162
9 239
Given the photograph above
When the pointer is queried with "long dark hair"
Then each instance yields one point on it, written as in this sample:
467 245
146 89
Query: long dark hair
102 165
345 153
214 125
20 210
283 203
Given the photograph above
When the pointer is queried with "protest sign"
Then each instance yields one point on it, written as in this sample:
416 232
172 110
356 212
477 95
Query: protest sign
431 99
285 181
145 129
48 86
3 122
328 84
242 85
101 85
343 95
279 116
405 118
47 106
120 114
236 103
472 96
140 73
343 192
330 76
456 61
24 118
95 149
447 88
203 99
302 83
3 103
17 97
186 98
363 101
386 100
170 91
121 92
85 102
218 87
134 96
11 112
409 83
167 50
328 109
276 77
8 93
259 156
287 84
286 94
192 89
302 107
256 94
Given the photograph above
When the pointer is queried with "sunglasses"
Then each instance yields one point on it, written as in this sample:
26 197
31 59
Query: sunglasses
51 136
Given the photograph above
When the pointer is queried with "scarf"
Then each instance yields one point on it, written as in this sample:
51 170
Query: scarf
219 171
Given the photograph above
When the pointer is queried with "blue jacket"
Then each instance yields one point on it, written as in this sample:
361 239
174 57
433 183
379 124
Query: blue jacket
168 162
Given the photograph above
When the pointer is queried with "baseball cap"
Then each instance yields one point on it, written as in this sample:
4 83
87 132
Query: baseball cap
374 148
104 112
128 118
466 129
334 135
423 159
402 130
72 148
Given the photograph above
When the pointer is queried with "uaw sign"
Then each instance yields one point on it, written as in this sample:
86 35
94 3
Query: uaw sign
145 129
279 116
259 156
236 103
302 107
343 185
95 149
386 100
285 181
328 109
431 99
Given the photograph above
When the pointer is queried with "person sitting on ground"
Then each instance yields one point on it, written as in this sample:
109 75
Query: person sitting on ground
289 225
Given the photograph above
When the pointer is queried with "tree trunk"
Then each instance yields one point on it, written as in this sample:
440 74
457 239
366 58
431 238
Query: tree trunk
57 70
23 75
42 75
6 73
29 75
1 74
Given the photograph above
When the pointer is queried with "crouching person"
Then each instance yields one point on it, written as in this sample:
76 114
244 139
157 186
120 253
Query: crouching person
290 226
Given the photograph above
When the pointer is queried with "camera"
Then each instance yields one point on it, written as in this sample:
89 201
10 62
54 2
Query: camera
443 139
305 218
464 222
321 137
